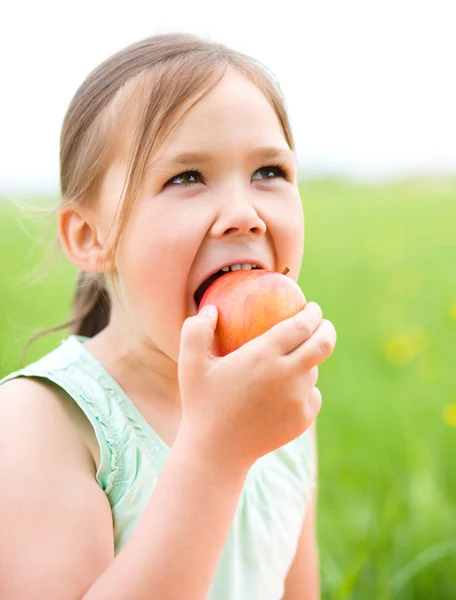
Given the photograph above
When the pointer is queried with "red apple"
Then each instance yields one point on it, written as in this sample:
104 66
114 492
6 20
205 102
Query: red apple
249 303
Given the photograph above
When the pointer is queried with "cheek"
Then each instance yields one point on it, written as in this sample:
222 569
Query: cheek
286 226
151 299
149 246
153 262
151 267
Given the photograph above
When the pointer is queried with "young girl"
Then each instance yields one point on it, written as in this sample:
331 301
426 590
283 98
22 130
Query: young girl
136 464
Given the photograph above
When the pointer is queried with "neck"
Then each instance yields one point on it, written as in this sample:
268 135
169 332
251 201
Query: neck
141 369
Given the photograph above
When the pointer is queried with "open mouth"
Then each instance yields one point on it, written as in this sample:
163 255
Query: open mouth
198 295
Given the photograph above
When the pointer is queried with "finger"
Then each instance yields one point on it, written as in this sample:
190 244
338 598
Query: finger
313 375
315 350
287 335
314 403
197 337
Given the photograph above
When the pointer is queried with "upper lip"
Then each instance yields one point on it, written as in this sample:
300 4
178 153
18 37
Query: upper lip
229 263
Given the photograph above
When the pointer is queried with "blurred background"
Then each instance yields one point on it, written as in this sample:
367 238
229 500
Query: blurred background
371 95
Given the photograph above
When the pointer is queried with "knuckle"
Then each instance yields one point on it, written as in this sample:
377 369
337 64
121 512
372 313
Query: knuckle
316 308
326 339
316 399
312 405
302 326
330 329
305 416
325 345
313 374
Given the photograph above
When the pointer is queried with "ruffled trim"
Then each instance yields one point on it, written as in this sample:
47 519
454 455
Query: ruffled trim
75 370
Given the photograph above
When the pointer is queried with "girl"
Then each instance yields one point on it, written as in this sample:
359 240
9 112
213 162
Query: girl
138 464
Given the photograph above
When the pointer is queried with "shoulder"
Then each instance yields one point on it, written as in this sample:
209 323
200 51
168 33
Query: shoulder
36 412
52 500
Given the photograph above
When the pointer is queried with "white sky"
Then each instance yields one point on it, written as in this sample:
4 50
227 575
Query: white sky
371 86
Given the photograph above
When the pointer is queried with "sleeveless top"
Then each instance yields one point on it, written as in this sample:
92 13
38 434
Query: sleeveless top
264 534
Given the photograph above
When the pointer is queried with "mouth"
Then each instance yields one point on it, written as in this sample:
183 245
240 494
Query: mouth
208 281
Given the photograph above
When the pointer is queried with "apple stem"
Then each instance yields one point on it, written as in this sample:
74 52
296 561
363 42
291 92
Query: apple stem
285 271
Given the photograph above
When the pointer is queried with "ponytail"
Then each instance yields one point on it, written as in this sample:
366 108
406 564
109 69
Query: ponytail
91 305
91 310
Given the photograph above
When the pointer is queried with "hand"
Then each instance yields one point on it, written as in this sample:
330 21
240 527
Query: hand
241 406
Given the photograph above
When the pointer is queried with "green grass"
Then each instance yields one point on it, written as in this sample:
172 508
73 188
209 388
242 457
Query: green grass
380 261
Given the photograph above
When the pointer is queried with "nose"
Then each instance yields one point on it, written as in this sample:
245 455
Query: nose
238 217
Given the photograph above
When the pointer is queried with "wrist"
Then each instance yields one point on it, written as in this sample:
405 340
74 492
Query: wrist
206 455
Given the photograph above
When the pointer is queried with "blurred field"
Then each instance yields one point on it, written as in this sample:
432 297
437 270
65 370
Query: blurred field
381 262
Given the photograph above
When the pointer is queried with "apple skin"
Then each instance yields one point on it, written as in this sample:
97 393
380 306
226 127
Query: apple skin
249 303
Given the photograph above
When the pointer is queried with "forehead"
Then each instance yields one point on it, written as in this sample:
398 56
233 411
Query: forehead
235 114
234 120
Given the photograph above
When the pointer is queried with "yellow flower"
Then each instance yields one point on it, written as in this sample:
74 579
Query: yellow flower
399 350
402 348
449 414
453 311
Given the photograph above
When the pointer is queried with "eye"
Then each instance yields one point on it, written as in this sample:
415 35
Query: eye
186 178
270 172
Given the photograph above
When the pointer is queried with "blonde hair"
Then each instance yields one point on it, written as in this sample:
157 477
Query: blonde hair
162 77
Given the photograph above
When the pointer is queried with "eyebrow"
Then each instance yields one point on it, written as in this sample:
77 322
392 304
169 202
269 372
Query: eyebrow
189 159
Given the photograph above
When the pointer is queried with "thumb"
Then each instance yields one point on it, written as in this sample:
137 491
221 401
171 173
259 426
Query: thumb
197 337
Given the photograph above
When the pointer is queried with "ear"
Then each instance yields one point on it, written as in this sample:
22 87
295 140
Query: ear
81 241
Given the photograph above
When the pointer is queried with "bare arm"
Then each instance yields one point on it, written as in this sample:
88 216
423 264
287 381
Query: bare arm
303 582
56 523
231 417
190 514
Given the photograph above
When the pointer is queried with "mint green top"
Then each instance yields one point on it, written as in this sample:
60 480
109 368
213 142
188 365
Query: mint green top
264 534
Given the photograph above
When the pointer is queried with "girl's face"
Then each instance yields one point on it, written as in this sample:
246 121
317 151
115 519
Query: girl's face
221 191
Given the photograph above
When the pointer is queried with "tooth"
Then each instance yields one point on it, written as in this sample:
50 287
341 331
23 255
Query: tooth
246 267
236 267
226 269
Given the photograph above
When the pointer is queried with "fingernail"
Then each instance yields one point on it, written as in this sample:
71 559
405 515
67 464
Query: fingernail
209 310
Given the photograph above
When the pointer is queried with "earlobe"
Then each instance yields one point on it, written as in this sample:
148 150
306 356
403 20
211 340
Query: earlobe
79 237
